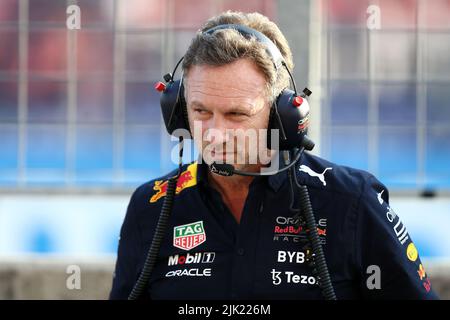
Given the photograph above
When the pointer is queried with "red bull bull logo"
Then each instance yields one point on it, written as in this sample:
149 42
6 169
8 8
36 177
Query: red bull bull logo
187 178
421 272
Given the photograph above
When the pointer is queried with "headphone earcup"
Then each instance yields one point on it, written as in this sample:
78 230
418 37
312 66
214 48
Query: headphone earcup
184 110
289 119
173 107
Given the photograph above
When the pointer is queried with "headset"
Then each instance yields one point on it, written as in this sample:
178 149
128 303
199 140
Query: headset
289 114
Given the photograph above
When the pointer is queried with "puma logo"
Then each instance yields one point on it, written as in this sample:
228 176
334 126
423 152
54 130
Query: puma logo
380 199
312 173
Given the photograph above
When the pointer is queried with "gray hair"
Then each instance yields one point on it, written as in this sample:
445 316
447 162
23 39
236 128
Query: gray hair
228 45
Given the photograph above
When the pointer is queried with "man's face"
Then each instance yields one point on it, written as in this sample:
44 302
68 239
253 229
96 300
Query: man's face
222 103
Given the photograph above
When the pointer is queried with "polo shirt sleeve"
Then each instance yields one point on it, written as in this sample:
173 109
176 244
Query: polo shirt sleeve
128 255
388 261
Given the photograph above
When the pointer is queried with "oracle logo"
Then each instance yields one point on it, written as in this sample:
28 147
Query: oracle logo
292 221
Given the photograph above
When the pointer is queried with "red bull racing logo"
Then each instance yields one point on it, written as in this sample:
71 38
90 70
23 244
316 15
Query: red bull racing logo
186 179
286 230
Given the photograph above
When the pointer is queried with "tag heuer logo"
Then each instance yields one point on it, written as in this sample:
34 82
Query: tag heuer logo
189 235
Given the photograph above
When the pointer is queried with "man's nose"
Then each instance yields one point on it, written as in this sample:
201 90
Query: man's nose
218 131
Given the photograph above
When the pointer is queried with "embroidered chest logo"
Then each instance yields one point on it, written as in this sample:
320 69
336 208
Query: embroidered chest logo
187 178
312 173
380 199
189 236
285 230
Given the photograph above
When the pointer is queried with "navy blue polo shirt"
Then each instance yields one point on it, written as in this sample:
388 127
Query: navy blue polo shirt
206 254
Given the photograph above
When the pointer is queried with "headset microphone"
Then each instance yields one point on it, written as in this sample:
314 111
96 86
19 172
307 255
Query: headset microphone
222 169
225 169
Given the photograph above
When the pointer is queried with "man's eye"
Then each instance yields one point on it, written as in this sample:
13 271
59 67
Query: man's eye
237 114
200 111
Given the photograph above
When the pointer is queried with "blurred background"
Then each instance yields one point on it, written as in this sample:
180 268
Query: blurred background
80 125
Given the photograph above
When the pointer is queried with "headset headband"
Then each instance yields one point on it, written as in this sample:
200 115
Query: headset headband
247 32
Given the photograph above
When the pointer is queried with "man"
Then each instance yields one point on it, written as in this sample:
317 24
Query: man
237 237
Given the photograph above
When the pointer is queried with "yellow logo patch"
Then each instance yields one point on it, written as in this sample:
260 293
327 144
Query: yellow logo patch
411 252
187 178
